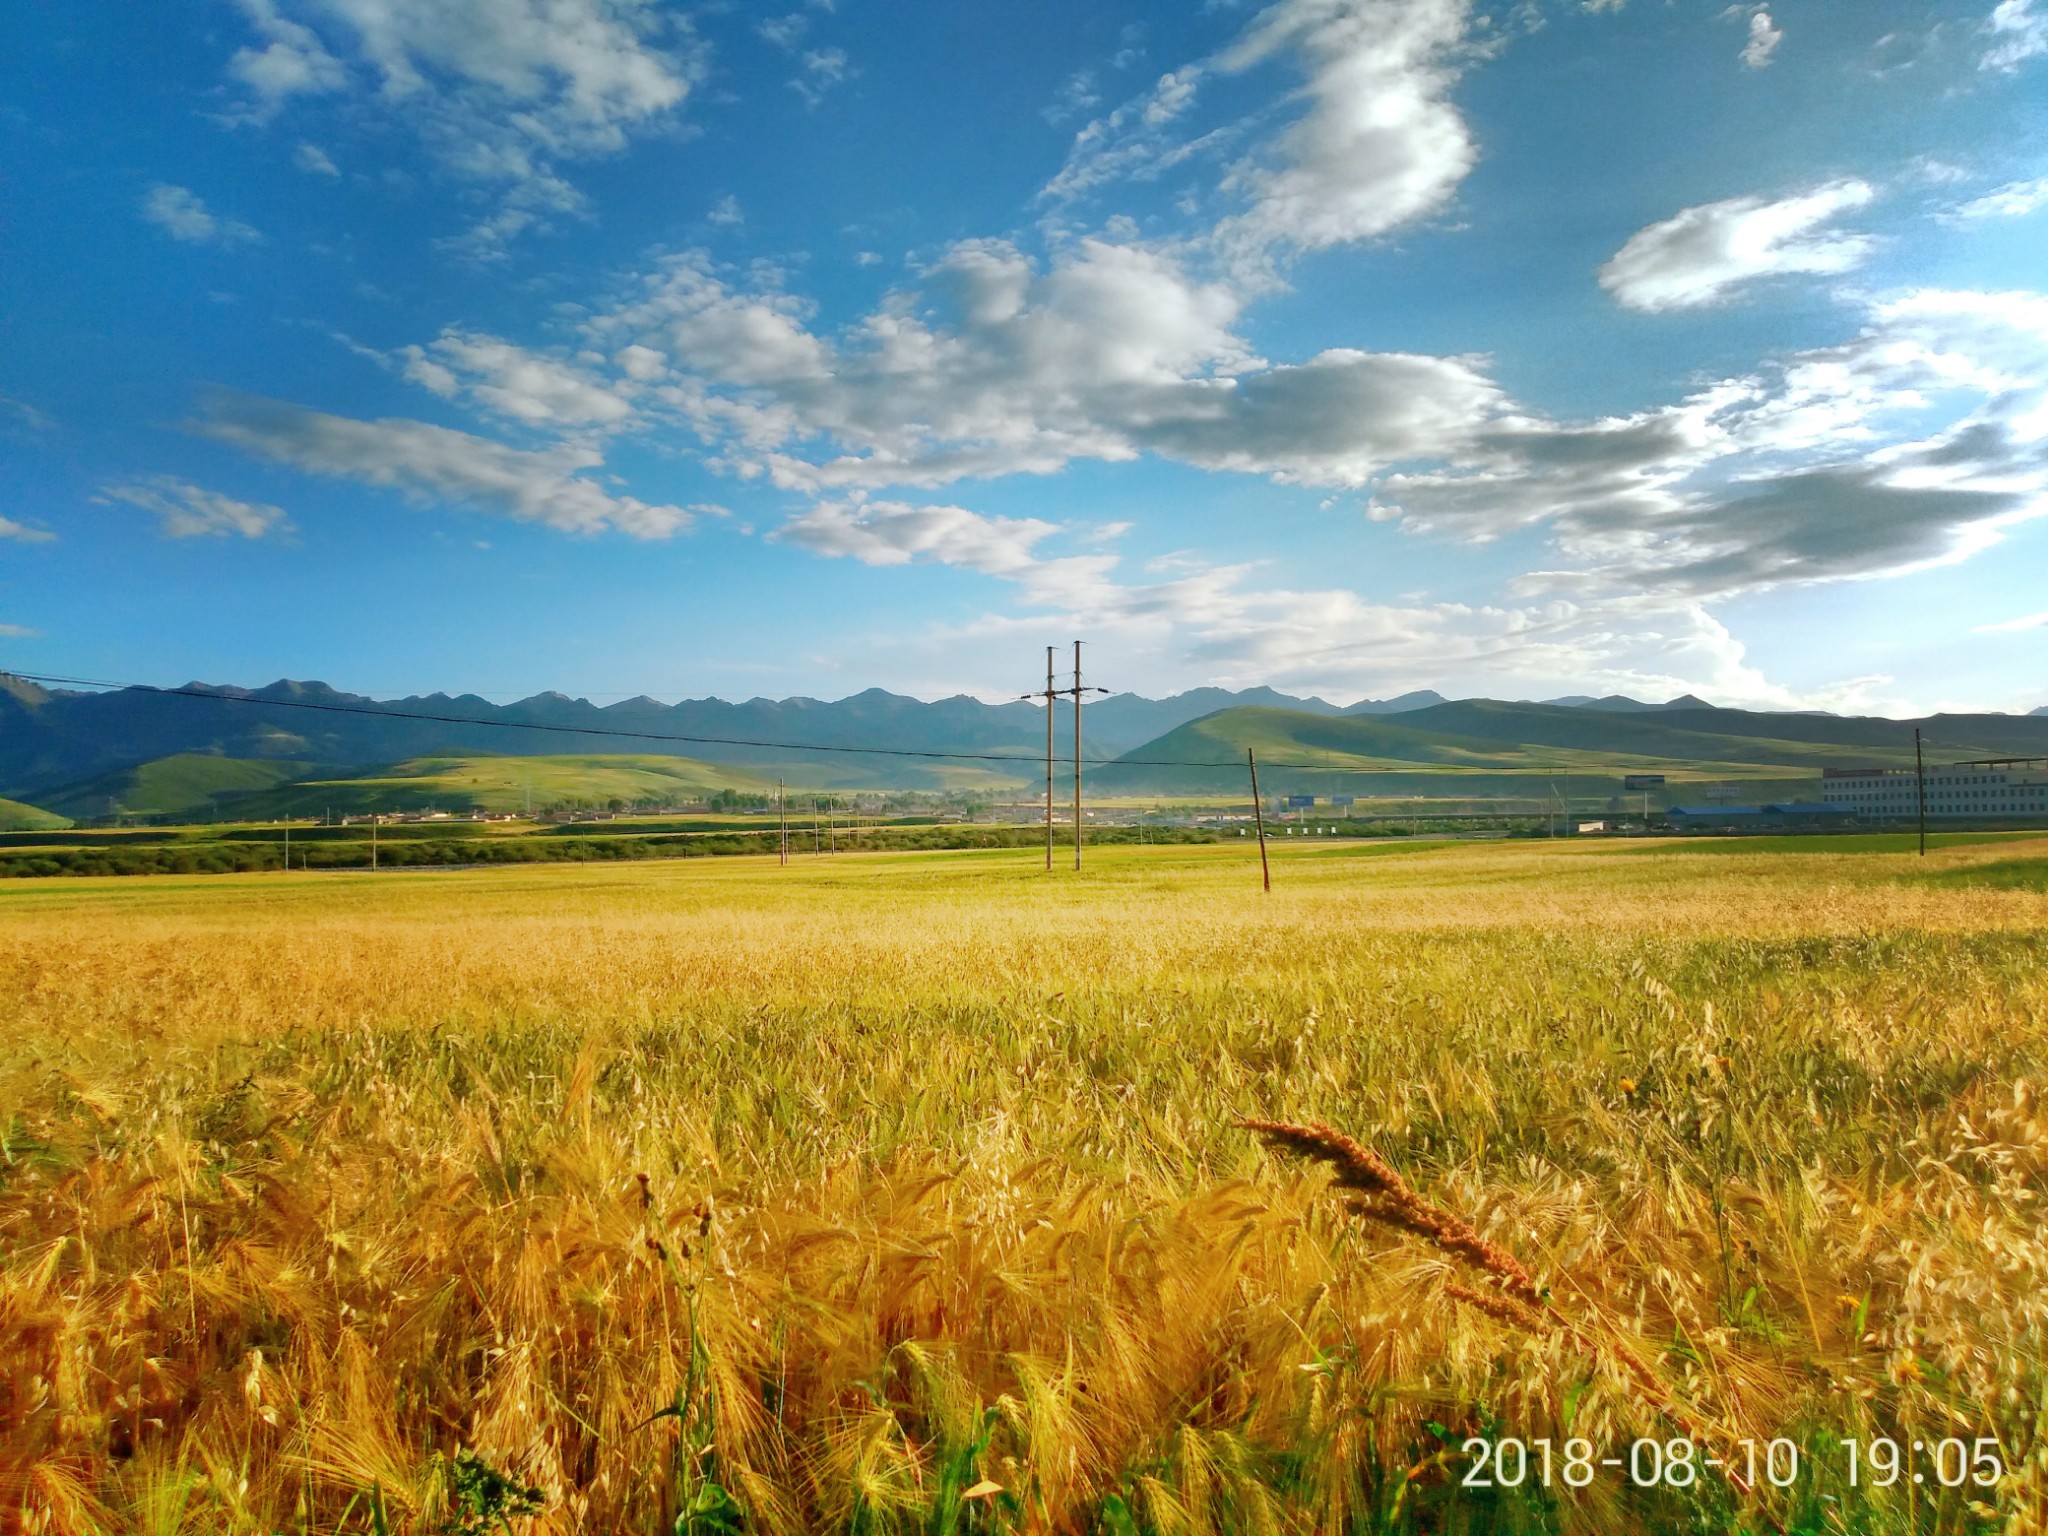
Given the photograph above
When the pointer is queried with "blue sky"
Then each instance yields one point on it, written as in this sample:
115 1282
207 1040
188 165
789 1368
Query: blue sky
1350 346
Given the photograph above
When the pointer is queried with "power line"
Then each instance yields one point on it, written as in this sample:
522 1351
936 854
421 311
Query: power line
512 725
381 713
930 754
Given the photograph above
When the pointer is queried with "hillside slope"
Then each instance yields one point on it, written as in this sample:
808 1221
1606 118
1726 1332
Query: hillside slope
458 784
16 817
203 788
184 784
59 738
1680 733
1488 747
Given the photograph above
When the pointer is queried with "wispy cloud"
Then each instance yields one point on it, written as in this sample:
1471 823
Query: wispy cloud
1764 37
2014 200
434 464
2014 626
187 511
2018 32
501 95
22 533
183 215
1702 254
823 68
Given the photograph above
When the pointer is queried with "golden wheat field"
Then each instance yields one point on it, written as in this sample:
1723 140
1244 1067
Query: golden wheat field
917 1194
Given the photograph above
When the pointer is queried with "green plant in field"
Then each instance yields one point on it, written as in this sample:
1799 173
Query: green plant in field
485 1499
704 1506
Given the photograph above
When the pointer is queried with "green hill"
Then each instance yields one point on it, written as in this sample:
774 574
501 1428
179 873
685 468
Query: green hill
16 817
483 783
186 784
1486 748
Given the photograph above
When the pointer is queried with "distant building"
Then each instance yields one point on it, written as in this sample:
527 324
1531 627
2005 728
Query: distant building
2003 787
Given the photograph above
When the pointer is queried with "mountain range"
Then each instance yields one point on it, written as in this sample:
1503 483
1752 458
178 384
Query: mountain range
76 747
56 737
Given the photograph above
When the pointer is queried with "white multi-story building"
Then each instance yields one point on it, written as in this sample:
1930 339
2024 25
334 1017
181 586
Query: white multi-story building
2009 787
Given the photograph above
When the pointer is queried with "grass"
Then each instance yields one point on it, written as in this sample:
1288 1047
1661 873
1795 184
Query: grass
17 817
504 783
914 1192
167 786
193 782
247 850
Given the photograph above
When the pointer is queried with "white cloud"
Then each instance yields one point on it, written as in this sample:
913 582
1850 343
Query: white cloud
314 160
641 364
20 414
1077 95
896 533
187 511
1697 256
1380 144
2014 200
506 380
1837 463
1132 142
2014 626
180 213
18 632
1218 622
1376 145
1763 40
500 91
785 32
22 533
2019 33
292 62
999 366
823 69
1860 460
726 212
434 464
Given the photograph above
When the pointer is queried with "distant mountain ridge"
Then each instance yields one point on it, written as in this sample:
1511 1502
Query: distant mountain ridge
1621 703
53 740
64 738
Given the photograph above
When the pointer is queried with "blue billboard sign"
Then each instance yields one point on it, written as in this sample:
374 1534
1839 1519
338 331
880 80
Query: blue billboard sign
1297 802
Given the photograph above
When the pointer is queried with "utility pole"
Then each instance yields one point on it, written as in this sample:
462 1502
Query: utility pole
287 845
1920 786
1051 696
782 821
1259 815
1048 758
373 842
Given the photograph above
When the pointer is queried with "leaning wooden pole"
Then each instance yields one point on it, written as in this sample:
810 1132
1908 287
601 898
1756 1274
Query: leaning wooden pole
1920 789
1077 754
1259 815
